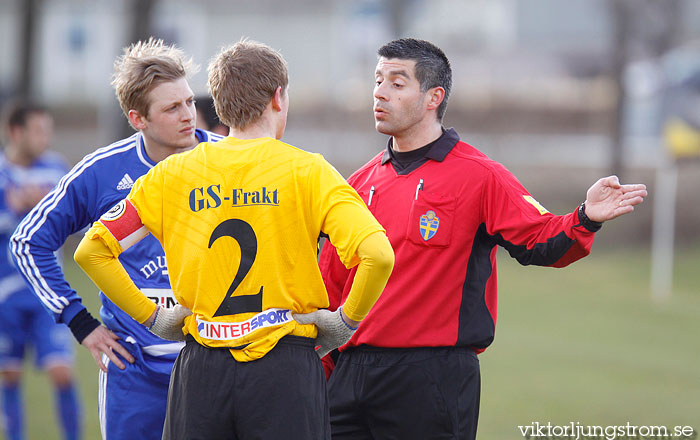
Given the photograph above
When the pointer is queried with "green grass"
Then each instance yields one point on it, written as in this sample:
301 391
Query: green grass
587 344
581 344
40 417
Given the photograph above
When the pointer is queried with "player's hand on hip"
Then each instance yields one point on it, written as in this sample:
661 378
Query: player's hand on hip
102 340
168 323
608 199
333 331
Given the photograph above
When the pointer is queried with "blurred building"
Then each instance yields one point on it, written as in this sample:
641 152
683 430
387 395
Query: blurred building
536 82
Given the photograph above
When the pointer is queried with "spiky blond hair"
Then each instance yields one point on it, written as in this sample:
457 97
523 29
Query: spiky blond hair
144 65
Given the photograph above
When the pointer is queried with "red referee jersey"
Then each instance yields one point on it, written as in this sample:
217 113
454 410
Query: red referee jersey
444 220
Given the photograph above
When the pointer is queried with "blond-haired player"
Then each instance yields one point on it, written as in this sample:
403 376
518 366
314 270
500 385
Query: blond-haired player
150 80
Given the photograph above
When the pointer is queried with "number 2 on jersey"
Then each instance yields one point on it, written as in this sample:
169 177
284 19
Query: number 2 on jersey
243 233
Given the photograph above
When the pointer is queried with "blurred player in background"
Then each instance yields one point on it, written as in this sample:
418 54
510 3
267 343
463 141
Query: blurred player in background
411 370
150 80
27 173
239 221
207 118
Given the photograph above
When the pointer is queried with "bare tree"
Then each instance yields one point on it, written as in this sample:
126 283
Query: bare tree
141 15
27 42
142 19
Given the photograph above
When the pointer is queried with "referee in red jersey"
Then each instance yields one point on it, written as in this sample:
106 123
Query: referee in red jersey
411 370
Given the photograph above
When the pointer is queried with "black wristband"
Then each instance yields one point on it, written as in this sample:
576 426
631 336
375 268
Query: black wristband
587 222
82 325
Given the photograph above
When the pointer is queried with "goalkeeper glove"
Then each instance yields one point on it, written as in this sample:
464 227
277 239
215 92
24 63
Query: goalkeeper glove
168 323
333 331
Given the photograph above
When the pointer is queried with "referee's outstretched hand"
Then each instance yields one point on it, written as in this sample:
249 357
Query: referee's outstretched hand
332 329
608 199
103 340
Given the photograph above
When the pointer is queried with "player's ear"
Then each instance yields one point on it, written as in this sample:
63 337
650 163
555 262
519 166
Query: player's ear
435 97
14 132
137 120
277 99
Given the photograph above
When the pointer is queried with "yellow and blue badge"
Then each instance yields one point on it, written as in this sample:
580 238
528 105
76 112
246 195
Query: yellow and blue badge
429 223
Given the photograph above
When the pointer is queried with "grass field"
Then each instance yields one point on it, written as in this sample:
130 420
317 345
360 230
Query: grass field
584 344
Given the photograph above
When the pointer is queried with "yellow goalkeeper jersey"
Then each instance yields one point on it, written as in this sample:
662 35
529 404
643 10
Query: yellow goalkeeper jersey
239 221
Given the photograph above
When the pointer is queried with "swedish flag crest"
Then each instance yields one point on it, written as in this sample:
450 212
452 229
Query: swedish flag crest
428 224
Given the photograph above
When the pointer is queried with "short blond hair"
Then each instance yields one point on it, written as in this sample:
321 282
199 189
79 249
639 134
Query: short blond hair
143 66
243 78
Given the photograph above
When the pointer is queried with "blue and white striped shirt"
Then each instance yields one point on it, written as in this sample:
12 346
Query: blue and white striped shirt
91 188
44 172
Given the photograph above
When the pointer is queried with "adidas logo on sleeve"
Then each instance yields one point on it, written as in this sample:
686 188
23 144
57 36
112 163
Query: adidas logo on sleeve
126 183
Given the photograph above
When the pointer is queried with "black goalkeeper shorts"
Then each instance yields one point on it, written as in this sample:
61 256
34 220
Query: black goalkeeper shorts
405 394
280 396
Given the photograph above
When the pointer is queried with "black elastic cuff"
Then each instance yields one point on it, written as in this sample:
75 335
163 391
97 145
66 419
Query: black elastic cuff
82 325
587 222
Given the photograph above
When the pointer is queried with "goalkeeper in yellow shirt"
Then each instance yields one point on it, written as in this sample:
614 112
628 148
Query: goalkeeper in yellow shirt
239 221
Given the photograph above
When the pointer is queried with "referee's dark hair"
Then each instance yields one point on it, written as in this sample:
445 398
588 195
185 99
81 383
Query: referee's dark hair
432 66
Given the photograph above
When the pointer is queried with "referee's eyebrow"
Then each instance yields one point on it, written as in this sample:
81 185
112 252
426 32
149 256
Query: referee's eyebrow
401 72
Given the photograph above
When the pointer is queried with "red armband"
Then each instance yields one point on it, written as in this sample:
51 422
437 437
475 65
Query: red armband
124 223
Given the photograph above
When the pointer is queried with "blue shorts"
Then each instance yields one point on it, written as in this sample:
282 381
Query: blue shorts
132 401
23 323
